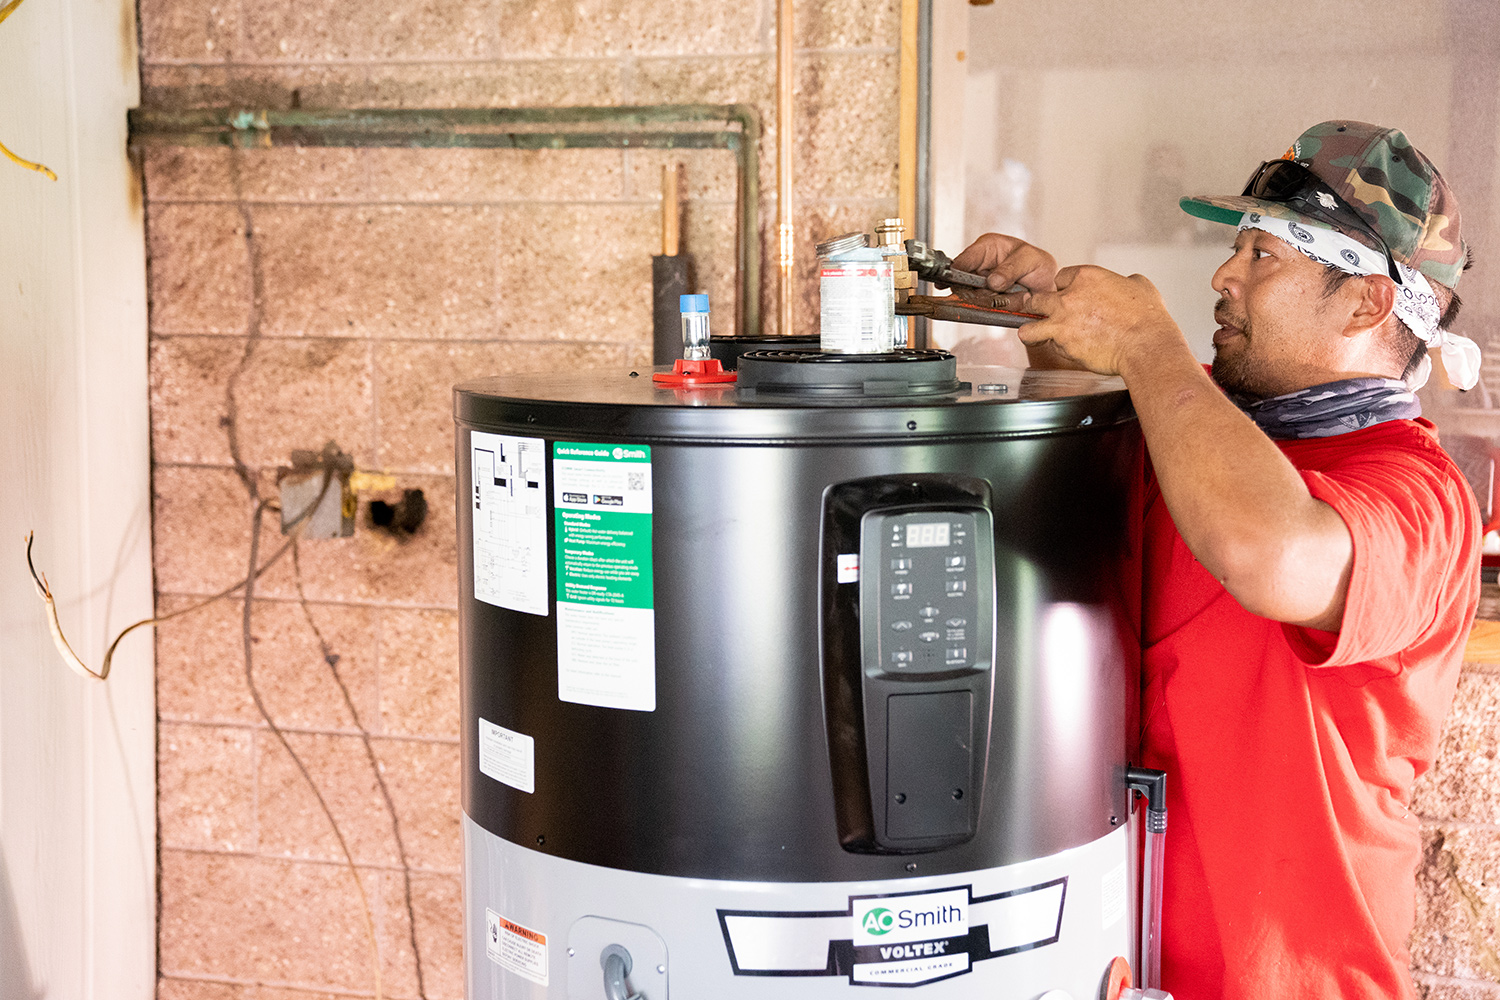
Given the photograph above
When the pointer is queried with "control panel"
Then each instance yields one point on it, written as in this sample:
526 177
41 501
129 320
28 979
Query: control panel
921 592
908 642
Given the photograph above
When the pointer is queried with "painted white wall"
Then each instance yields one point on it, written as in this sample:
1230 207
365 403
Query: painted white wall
1117 110
77 774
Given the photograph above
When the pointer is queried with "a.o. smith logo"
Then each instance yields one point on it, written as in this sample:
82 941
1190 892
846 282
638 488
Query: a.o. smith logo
917 917
898 939
879 921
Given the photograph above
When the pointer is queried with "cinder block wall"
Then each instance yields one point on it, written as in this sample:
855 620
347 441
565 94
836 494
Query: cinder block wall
1456 945
300 296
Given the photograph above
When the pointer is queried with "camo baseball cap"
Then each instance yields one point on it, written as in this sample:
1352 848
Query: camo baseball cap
1385 179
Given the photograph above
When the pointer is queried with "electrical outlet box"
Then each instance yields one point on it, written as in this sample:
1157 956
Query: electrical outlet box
302 484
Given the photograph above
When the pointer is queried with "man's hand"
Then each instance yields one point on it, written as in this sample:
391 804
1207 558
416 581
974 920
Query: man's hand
1099 319
1005 261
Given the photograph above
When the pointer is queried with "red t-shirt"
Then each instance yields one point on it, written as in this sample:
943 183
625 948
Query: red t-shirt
1290 752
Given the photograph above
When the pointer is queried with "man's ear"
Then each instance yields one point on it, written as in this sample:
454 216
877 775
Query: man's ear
1376 298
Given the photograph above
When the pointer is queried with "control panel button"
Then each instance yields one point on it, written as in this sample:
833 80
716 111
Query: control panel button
929 612
957 654
927 636
901 657
901 591
900 626
955 562
901 565
956 622
954 586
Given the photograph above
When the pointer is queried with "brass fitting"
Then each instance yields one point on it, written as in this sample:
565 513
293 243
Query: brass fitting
890 235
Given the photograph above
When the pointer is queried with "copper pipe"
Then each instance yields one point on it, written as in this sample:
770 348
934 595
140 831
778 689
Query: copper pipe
784 229
670 212
906 128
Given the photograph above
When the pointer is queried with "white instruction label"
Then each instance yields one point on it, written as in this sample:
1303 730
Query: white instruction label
1112 893
606 656
508 757
848 567
509 501
519 949
606 622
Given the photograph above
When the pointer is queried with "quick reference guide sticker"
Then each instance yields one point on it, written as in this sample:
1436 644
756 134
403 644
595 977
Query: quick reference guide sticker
509 501
606 622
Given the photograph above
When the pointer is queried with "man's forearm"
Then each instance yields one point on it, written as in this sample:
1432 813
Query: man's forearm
1242 508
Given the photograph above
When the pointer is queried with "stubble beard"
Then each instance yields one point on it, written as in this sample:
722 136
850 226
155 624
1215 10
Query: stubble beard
1238 370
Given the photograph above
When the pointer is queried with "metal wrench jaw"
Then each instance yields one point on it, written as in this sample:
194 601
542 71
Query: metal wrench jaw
934 265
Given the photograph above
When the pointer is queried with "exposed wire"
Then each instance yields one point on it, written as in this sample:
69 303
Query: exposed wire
65 649
40 168
260 705
332 660
252 328
39 580
242 470
5 12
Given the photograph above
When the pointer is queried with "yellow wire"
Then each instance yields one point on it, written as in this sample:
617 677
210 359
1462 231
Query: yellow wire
5 12
38 167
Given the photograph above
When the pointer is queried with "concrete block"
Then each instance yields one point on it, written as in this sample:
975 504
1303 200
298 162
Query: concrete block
1464 783
419 673
199 269
1458 904
539 29
400 271
251 919
206 787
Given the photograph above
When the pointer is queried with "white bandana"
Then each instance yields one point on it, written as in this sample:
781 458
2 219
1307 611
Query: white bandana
1416 305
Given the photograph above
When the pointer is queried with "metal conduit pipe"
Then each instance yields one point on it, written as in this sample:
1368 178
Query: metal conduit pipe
653 126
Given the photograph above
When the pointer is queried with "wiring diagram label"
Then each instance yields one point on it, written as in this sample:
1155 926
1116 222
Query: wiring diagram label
606 622
509 501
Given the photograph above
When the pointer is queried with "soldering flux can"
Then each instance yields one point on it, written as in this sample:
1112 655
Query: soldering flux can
858 297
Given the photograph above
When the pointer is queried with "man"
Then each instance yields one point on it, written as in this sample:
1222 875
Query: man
1309 556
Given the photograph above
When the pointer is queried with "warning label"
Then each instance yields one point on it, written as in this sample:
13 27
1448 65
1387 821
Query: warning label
519 949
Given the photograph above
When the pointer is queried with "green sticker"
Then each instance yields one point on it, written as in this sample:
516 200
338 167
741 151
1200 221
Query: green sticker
606 631
602 513
604 557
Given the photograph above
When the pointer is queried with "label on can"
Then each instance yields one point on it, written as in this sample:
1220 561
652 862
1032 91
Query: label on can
509 502
857 307
606 622
519 949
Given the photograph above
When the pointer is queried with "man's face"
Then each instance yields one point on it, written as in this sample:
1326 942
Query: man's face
1274 319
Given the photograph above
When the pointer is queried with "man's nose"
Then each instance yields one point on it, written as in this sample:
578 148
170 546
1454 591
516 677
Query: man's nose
1225 281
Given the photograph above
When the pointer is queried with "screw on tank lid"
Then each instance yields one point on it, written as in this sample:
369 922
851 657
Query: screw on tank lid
693 303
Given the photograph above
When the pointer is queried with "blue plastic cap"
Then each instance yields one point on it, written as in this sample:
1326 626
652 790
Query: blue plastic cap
693 304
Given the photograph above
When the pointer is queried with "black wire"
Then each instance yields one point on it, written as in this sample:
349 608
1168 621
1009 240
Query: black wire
260 705
332 659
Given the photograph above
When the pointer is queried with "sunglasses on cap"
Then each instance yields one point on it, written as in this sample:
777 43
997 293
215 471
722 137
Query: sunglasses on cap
1290 183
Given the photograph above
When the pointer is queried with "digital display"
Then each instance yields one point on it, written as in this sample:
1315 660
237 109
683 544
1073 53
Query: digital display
927 536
